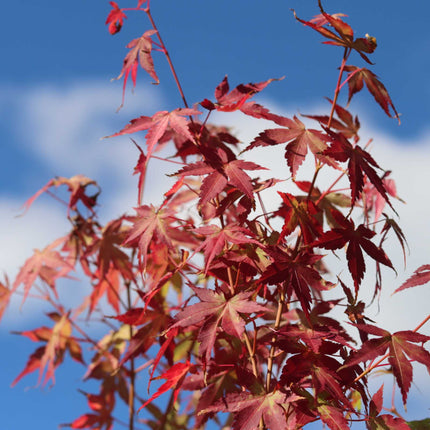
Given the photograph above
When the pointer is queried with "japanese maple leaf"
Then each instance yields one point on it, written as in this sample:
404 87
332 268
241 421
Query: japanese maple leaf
324 202
372 198
5 295
157 125
109 255
145 337
346 124
360 163
48 357
320 369
115 18
174 379
357 240
297 273
77 186
420 277
217 238
300 139
229 101
250 408
47 264
140 52
301 214
216 310
101 418
333 417
109 285
222 168
378 421
344 36
148 223
355 83
399 345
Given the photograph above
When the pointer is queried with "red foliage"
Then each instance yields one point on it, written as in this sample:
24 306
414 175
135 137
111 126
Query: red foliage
223 298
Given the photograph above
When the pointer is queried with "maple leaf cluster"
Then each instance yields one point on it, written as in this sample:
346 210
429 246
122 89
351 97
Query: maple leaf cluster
204 292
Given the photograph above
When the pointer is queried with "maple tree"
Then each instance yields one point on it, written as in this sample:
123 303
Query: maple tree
221 298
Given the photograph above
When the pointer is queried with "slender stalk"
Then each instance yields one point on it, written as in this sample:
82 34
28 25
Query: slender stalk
272 347
168 409
131 393
317 170
337 90
251 354
166 53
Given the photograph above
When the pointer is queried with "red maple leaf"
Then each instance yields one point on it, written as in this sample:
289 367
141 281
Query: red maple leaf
300 139
47 264
48 357
140 52
344 36
399 345
357 239
77 186
174 378
222 168
102 405
229 101
216 309
109 255
297 273
333 417
360 163
420 277
109 285
372 198
346 124
217 238
151 223
376 420
115 18
5 295
355 83
299 213
251 408
157 125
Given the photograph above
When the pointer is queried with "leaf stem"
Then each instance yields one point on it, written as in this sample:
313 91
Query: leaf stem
131 393
166 53
251 354
272 347
337 90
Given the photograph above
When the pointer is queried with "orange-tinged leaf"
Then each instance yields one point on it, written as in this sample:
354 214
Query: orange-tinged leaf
174 378
48 357
77 186
36 266
5 294
140 52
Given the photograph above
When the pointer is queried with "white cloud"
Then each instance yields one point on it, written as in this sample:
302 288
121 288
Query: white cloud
64 126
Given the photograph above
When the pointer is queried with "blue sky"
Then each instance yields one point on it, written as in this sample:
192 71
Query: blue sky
56 101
